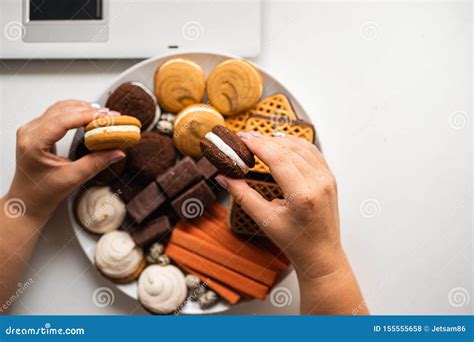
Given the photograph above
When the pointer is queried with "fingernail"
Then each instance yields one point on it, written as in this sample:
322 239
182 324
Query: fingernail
114 113
103 110
116 156
278 134
100 115
248 135
222 182
95 105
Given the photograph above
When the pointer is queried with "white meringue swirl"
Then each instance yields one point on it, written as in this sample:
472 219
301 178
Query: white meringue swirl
100 210
117 255
162 289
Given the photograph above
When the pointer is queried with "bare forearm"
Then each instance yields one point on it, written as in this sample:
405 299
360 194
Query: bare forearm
336 293
18 236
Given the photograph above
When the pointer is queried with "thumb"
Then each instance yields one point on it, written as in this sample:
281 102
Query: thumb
258 208
90 165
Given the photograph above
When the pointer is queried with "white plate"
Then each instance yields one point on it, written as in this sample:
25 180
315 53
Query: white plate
144 72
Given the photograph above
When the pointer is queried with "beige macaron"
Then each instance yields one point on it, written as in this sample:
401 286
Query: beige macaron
112 132
179 83
192 124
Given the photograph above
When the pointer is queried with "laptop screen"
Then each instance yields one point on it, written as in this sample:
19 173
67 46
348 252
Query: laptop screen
65 10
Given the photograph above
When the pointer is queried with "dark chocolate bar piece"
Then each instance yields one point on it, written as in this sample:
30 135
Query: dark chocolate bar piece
191 203
206 168
178 177
145 203
155 230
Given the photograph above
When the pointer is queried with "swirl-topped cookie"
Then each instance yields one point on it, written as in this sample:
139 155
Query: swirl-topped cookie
162 289
234 86
192 124
179 83
118 257
99 210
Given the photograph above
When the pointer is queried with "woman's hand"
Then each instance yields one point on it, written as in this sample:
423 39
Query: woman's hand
305 225
42 179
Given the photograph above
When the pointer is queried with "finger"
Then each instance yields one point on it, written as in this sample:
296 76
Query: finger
57 127
308 146
279 159
298 147
90 165
66 106
249 199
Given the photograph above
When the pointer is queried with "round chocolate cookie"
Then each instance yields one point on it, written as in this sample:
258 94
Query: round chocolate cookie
227 152
134 99
152 156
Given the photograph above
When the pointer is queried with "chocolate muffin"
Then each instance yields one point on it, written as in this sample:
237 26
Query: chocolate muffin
134 99
151 157
227 152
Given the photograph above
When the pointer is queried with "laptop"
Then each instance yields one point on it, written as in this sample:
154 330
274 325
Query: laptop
127 28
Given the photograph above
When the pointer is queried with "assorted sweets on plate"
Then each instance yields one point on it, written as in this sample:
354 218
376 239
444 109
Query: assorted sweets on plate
158 214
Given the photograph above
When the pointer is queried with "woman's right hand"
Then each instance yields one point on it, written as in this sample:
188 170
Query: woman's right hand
305 225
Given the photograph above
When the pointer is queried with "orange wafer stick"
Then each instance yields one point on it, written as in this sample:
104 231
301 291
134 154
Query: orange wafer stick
228 294
212 269
219 215
189 228
222 234
224 257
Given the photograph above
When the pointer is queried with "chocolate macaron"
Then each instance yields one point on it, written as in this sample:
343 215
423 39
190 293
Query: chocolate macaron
135 99
227 152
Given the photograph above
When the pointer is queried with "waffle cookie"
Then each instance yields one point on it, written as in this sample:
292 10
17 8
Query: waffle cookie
268 125
276 106
240 222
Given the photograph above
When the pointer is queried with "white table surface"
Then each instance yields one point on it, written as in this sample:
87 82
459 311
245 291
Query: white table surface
388 86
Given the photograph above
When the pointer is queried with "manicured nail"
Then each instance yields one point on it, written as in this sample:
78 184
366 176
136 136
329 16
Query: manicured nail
222 182
95 105
103 110
116 156
114 113
248 135
278 134
98 115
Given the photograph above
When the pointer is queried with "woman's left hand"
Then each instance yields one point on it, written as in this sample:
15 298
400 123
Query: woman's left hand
42 179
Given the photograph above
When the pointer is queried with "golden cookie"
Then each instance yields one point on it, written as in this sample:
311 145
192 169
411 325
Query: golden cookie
192 124
234 86
276 106
179 83
111 132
